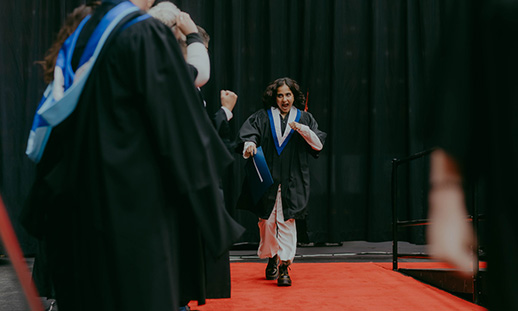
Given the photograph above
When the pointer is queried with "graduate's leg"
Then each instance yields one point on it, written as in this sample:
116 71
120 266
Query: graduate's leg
268 245
287 239
288 244
286 236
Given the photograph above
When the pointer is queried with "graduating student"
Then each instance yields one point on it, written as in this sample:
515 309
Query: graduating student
128 175
287 136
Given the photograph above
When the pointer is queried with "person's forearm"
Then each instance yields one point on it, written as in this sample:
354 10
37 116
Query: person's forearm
228 113
198 57
310 137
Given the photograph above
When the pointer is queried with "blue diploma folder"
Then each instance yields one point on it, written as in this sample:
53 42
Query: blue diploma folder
258 174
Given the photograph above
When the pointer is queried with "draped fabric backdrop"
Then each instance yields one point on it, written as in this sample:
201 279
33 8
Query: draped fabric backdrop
363 63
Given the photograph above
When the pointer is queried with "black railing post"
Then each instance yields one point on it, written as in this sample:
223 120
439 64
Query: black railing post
394 215
476 283
395 222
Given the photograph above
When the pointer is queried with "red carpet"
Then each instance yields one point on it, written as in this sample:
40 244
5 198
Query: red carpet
426 265
333 286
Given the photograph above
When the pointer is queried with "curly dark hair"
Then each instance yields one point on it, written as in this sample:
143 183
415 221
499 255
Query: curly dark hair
69 26
270 93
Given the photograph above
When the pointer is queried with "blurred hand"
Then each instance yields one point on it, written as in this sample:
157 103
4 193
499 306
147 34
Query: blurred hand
228 99
450 236
250 151
149 4
295 125
185 24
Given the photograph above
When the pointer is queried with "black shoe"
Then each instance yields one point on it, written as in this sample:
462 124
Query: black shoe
284 277
272 271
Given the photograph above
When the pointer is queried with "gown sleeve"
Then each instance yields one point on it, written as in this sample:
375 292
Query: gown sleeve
222 126
310 121
310 137
198 57
252 130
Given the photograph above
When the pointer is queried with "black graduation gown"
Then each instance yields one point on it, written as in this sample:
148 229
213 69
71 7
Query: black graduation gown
128 186
222 125
217 269
290 168
474 106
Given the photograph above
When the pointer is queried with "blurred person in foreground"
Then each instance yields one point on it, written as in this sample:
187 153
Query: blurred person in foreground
474 123
51 73
194 43
126 177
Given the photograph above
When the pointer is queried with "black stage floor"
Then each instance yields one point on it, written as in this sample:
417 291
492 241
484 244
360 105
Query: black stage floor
354 251
12 298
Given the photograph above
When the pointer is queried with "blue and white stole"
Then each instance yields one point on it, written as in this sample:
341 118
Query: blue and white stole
281 139
62 95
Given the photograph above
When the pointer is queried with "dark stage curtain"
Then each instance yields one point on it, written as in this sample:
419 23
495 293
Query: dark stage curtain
363 63
27 29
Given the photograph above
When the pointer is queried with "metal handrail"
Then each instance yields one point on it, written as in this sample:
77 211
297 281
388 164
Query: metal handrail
396 224
417 155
